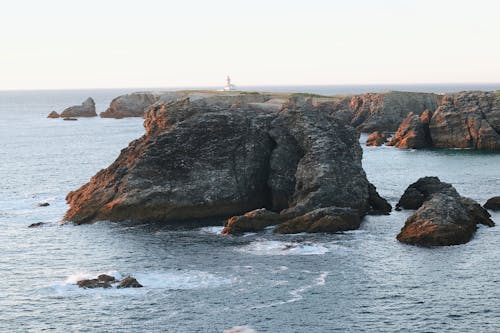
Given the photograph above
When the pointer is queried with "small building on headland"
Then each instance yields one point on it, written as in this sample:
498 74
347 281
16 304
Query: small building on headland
229 86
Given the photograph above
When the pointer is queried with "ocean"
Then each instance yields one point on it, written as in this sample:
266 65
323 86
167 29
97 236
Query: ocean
198 281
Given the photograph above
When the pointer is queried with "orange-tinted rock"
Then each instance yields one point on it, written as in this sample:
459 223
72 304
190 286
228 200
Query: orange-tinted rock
53 114
413 132
377 138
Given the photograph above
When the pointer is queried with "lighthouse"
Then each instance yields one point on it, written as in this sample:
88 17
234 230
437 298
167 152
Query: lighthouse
229 86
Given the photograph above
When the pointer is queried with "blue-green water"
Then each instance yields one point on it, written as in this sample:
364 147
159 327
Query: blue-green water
198 281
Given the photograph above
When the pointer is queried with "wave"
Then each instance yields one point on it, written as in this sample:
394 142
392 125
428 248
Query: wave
270 248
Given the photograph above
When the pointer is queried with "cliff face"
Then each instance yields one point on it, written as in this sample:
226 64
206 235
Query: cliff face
130 105
385 111
468 119
220 157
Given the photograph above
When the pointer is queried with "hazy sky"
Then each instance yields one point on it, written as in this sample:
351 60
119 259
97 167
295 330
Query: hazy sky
105 43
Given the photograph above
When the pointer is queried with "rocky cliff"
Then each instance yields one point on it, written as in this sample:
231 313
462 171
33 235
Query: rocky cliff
86 109
223 156
130 105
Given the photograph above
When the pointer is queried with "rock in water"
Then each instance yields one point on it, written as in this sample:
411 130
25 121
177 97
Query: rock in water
468 119
413 132
87 109
493 203
43 204
219 156
420 191
37 224
130 105
129 282
443 216
93 283
53 114
377 138
106 278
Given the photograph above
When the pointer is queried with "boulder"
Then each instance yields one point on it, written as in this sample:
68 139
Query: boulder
443 216
106 278
377 138
493 203
219 157
93 283
87 109
129 282
53 114
130 105
469 119
413 133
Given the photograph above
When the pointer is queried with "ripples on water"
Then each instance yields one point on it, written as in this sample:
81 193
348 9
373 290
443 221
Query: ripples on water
198 281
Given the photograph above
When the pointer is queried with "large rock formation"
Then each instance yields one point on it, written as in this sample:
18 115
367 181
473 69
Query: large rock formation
468 119
130 105
216 157
413 132
87 109
385 111
443 216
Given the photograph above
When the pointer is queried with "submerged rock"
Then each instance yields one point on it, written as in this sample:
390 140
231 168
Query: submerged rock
443 216
493 203
69 118
377 138
87 109
43 204
413 132
219 156
130 105
53 114
468 119
37 224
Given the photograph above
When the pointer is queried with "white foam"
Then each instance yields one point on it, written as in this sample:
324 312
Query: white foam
212 230
284 248
240 329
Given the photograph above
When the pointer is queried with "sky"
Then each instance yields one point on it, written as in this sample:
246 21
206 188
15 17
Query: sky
56 44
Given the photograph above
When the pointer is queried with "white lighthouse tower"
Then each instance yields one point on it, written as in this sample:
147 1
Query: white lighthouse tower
229 86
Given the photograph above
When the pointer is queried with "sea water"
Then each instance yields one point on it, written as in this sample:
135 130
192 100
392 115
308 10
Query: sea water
196 280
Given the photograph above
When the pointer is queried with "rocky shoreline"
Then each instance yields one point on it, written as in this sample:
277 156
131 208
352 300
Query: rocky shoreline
287 160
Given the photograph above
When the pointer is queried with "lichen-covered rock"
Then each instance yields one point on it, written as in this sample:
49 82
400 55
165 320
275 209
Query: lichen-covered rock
130 105
493 203
468 119
87 109
413 132
443 216
377 138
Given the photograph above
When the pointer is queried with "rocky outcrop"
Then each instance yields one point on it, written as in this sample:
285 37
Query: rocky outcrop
468 119
252 221
107 281
493 203
413 133
216 157
130 105
87 109
129 282
384 111
53 114
377 138
443 216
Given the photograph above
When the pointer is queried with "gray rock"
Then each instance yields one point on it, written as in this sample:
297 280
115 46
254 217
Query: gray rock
87 109
130 105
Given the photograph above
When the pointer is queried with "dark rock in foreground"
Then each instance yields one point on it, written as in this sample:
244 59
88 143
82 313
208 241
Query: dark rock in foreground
443 216
222 156
413 132
87 109
377 138
493 203
53 114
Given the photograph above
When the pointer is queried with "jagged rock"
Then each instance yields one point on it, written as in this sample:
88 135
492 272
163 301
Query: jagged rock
218 156
53 114
413 132
377 138
468 119
383 111
93 283
420 191
443 216
493 203
130 105
129 282
87 109
252 221
329 220
37 224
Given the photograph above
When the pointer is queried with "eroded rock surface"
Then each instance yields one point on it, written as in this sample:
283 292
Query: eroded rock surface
443 216
130 105
87 109
413 132
377 139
